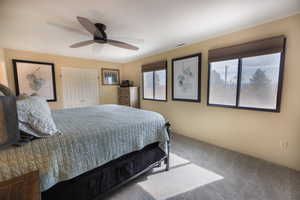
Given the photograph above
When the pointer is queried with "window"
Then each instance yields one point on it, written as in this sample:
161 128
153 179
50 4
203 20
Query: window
155 81
160 78
223 82
259 81
247 76
148 85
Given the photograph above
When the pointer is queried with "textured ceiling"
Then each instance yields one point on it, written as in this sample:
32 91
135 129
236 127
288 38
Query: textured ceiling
49 26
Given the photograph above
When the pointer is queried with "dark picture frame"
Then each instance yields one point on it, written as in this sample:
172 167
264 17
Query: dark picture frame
255 53
44 78
108 72
198 83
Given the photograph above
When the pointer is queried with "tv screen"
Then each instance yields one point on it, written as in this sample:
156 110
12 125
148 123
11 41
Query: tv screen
9 130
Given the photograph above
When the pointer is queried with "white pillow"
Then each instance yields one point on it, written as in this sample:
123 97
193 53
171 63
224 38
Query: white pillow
35 117
27 129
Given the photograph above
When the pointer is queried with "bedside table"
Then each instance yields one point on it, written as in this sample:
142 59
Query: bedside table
25 187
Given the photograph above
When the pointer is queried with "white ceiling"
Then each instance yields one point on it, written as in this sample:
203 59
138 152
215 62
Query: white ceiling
153 25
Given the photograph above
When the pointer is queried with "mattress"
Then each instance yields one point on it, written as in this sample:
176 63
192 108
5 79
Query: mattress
90 137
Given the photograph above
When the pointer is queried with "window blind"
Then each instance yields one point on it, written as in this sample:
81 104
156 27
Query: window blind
154 66
253 48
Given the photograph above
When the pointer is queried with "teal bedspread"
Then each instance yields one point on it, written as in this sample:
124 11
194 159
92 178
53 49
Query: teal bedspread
90 137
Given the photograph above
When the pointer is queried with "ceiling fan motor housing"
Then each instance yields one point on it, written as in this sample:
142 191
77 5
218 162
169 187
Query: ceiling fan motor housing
101 28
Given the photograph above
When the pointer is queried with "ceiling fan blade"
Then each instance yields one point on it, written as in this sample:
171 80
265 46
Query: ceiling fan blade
83 43
68 28
128 39
90 27
122 45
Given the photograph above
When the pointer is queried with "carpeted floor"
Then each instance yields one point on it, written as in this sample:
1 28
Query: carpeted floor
200 171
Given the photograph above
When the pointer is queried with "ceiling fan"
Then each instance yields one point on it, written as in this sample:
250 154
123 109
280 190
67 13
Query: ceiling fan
98 32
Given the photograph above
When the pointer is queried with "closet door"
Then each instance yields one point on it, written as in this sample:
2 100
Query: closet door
80 87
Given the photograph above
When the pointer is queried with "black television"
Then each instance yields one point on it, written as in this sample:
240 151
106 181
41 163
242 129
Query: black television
9 130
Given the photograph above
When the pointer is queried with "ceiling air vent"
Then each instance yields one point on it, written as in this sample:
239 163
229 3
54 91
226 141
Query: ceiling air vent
180 44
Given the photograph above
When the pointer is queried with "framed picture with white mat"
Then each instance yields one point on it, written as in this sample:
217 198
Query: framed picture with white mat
186 78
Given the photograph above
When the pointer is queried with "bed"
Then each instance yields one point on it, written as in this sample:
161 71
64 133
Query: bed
99 149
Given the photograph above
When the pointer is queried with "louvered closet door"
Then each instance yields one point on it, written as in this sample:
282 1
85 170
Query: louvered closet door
80 87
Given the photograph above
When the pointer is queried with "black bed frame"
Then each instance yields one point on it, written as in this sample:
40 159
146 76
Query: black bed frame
98 183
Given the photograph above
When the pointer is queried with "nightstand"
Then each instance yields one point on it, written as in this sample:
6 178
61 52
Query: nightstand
25 187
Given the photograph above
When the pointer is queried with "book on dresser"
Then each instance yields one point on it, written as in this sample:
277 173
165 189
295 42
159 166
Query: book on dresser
129 96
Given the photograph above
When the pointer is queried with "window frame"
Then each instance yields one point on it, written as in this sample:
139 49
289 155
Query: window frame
153 71
239 75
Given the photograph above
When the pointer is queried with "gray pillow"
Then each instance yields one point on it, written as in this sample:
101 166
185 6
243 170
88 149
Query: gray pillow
35 117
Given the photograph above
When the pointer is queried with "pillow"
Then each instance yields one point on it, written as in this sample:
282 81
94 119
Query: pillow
26 128
22 96
35 117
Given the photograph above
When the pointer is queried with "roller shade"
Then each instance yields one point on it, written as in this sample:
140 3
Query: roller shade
154 66
254 48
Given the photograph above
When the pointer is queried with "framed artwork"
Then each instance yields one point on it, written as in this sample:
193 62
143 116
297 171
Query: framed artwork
186 78
110 76
35 78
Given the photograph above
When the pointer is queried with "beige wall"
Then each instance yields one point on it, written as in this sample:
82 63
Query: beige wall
3 75
252 132
108 94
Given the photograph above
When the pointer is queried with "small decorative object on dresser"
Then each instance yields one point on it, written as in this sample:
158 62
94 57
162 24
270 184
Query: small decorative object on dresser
126 83
26 187
129 96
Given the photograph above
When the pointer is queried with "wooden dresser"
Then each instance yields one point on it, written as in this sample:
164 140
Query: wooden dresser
129 96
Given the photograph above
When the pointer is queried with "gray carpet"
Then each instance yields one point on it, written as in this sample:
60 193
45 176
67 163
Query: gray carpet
200 171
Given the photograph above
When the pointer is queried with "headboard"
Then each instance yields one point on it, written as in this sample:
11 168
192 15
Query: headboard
9 130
